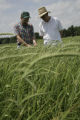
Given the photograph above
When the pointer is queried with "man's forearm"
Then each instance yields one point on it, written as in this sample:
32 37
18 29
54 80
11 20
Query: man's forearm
21 40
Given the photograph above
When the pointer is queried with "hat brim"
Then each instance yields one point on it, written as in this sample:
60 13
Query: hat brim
44 13
26 17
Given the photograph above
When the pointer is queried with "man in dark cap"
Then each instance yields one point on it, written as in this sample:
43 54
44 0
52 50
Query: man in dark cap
25 31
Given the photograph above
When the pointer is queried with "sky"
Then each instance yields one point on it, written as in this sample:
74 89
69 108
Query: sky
67 11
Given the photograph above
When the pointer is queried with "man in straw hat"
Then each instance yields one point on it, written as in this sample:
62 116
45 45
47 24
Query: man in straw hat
50 28
25 31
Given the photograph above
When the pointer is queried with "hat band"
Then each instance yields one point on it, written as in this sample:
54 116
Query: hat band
41 14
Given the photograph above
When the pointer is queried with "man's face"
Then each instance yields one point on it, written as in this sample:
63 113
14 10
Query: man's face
45 17
24 21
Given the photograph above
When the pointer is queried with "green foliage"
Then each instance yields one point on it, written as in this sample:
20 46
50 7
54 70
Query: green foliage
8 40
71 31
40 83
37 35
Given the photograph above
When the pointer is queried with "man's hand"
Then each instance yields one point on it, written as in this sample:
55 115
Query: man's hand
34 42
28 45
21 41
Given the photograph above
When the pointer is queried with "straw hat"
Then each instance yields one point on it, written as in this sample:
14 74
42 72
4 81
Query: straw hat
42 11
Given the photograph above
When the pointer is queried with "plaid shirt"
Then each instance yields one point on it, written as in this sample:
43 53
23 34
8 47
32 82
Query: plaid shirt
25 32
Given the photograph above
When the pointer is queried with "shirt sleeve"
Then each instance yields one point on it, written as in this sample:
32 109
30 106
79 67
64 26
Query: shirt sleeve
32 32
59 26
16 30
40 30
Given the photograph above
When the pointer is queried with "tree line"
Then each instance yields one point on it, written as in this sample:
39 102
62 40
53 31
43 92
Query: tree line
71 31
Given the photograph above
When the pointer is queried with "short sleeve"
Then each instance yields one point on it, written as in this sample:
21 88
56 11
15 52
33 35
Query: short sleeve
16 30
40 30
59 26
32 32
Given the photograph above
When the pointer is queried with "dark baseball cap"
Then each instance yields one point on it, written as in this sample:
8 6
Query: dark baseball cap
25 15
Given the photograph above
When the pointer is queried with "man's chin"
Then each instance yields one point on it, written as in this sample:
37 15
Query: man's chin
25 24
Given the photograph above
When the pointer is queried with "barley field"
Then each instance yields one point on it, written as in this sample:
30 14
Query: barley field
40 83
